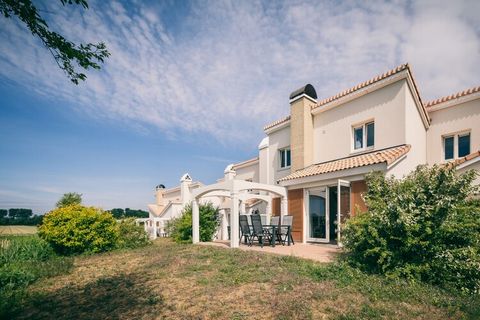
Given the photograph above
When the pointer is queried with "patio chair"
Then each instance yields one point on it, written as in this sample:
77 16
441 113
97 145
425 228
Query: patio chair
258 231
283 231
245 230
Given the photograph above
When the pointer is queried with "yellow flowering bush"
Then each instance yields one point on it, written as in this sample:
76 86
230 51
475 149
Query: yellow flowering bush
77 229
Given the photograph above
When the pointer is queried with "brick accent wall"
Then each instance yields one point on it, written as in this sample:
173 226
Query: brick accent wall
276 206
295 208
356 201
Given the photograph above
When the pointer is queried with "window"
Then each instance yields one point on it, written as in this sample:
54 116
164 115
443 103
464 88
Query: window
448 147
456 145
285 158
364 135
358 136
463 145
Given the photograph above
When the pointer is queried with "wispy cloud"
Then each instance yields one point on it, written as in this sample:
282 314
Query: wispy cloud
223 69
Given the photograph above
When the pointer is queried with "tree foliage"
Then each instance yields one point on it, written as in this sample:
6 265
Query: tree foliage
180 229
76 229
67 54
119 213
131 235
68 199
422 227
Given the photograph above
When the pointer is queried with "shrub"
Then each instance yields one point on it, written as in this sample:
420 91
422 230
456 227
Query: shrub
131 235
180 228
421 227
77 229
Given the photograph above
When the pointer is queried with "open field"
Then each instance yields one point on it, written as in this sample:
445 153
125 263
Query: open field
7 230
171 281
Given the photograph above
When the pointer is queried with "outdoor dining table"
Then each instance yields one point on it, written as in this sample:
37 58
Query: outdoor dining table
274 234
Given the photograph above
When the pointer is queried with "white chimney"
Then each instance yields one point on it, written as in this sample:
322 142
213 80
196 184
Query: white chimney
185 183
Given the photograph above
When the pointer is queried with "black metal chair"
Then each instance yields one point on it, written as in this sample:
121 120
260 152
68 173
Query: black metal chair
284 233
259 231
245 230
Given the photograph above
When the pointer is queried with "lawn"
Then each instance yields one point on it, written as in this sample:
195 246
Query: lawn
9 230
171 281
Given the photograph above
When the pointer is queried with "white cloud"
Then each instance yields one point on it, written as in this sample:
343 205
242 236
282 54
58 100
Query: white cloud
226 68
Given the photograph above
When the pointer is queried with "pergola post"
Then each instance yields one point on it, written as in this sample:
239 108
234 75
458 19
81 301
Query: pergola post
195 222
268 211
154 229
284 207
224 224
234 222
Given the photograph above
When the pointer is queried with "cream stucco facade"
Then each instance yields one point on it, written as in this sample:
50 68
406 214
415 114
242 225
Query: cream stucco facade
315 153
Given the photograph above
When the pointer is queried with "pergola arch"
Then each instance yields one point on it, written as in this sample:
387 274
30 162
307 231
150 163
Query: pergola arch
236 190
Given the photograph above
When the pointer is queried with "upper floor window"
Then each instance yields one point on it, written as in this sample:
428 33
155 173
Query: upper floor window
458 144
364 136
285 158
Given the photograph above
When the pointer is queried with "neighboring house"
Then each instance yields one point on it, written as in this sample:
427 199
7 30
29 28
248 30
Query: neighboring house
323 149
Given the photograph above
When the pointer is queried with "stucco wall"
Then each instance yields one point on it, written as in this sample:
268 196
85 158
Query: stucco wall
465 116
249 172
415 136
333 128
277 140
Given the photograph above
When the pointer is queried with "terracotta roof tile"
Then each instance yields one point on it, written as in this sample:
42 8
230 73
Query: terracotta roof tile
452 96
388 155
276 123
469 157
363 85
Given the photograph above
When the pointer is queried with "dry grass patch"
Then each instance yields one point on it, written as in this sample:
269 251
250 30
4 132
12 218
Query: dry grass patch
171 281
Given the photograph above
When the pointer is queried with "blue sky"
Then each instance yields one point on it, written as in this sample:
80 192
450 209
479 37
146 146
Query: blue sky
189 85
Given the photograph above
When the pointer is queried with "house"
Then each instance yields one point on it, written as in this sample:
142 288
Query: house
321 152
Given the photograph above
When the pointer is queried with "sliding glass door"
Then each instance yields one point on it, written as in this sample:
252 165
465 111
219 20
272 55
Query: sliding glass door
318 218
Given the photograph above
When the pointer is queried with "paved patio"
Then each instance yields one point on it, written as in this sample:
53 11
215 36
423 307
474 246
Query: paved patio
317 252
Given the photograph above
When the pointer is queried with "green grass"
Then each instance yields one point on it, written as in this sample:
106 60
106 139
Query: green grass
24 260
17 230
173 281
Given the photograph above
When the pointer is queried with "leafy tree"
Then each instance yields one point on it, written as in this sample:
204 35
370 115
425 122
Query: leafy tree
180 229
68 199
20 213
67 54
136 213
3 213
117 213
421 227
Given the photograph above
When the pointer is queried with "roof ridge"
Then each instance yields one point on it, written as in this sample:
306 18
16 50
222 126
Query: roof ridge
391 72
452 96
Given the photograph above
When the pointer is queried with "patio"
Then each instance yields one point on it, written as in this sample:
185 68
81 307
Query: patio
316 252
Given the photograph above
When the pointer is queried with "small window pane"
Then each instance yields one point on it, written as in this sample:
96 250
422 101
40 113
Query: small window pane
358 138
448 145
370 134
288 157
464 145
282 158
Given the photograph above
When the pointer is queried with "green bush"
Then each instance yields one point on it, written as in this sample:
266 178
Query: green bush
180 229
422 227
77 229
131 235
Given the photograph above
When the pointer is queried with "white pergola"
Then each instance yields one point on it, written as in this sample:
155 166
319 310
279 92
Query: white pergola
236 190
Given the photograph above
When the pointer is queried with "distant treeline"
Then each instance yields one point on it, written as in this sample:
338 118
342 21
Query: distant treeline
119 213
19 216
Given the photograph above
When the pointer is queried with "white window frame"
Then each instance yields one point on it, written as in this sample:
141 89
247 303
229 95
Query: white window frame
364 147
280 158
456 149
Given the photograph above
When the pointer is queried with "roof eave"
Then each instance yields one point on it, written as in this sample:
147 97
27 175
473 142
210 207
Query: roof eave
453 102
